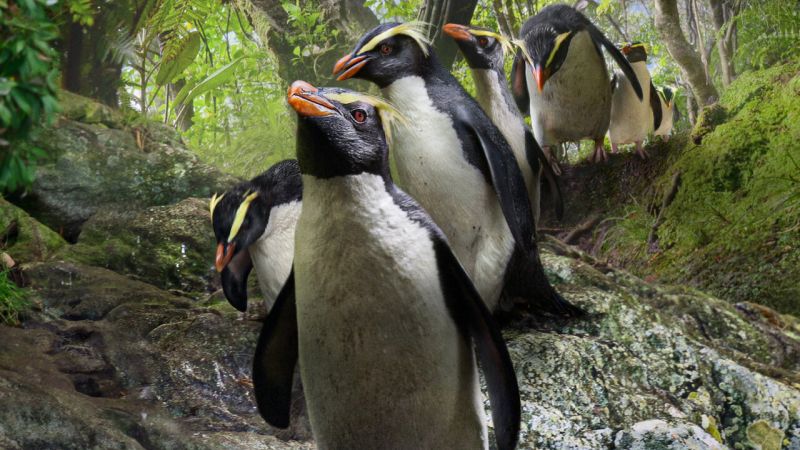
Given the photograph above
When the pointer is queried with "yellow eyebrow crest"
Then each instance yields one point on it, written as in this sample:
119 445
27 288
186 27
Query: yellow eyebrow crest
390 116
213 204
238 220
559 40
414 30
507 45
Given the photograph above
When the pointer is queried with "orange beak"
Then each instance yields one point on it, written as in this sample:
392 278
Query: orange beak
349 66
222 259
457 31
303 97
541 76
626 49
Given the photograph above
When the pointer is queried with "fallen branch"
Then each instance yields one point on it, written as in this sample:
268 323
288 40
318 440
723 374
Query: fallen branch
583 228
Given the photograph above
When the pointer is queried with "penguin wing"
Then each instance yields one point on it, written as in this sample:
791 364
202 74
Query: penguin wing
655 105
234 280
534 154
519 87
506 177
471 316
276 357
622 62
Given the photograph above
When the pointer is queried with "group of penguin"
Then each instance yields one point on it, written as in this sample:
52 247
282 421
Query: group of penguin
383 294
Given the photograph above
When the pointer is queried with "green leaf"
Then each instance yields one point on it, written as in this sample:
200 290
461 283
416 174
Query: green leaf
221 76
171 67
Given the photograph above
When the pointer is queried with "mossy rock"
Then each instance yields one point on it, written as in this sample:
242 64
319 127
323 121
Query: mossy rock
95 163
24 238
171 247
708 119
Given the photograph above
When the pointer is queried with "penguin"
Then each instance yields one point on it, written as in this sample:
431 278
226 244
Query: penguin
483 50
631 117
559 76
454 161
378 311
254 225
670 113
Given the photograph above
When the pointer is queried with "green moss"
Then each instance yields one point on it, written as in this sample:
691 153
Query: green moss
25 239
13 300
762 434
734 226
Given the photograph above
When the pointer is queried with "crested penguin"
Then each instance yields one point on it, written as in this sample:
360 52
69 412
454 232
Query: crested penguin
631 117
560 77
483 50
378 311
454 161
254 226
670 113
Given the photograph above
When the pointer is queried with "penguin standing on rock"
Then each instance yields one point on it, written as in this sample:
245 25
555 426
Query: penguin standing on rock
379 312
631 117
559 75
453 160
483 50
254 224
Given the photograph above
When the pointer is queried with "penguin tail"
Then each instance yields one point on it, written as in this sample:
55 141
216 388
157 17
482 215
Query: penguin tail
527 281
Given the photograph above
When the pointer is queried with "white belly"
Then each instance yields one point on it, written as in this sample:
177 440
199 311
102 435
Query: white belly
433 170
511 125
631 118
273 252
382 363
666 119
575 103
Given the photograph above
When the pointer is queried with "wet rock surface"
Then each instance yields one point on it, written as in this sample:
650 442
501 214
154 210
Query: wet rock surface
651 367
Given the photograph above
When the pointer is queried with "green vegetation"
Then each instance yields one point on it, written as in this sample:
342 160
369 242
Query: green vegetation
13 300
734 226
27 86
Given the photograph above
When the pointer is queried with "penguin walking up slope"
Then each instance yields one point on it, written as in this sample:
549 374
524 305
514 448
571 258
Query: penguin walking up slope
453 160
670 115
559 75
483 50
379 311
254 225
631 117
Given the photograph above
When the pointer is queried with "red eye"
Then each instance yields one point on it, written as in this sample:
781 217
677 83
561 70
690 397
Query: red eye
359 115
386 49
483 41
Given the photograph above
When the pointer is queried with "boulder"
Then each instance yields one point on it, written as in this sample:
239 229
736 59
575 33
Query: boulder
97 163
652 366
23 237
171 246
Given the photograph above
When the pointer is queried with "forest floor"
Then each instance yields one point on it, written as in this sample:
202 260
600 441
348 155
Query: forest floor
717 208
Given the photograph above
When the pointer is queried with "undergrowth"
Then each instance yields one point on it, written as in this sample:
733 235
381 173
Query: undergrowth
13 300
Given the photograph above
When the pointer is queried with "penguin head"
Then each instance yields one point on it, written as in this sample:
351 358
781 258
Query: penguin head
387 53
635 52
341 132
239 217
545 49
481 47
667 95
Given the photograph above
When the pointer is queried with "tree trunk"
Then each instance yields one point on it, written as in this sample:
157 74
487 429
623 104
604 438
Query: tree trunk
668 25
439 12
350 17
723 15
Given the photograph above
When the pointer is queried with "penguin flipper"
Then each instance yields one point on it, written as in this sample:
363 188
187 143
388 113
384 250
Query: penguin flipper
234 280
655 105
276 357
534 154
622 62
471 316
506 178
519 87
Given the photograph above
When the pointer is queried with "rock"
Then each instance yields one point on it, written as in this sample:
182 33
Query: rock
708 119
171 247
657 434
24 238
98 164
651 367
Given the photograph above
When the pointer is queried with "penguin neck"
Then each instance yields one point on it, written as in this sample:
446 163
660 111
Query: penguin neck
493 94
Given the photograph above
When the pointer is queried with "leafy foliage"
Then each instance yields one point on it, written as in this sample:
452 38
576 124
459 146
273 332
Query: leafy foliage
13 300
769 32
27 86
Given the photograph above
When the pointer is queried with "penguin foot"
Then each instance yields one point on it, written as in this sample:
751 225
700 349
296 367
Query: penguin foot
665 138
641 151
614 148
546 149
599 155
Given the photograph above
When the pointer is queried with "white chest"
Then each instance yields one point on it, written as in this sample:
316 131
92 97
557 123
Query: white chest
272 254
631 118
